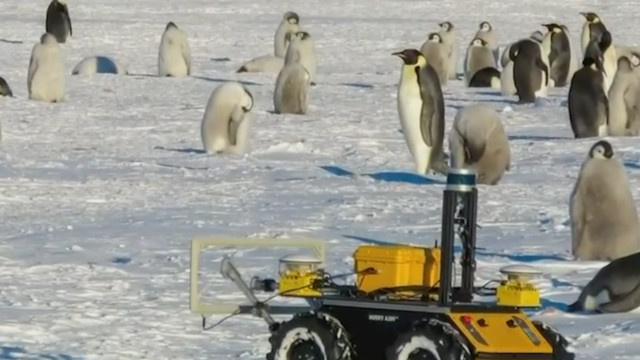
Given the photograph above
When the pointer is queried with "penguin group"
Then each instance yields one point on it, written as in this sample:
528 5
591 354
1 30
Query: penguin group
602 101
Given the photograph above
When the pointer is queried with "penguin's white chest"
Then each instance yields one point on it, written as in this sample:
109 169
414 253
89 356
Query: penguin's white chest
409 109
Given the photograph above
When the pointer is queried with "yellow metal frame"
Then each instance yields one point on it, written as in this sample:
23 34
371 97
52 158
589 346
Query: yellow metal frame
200 244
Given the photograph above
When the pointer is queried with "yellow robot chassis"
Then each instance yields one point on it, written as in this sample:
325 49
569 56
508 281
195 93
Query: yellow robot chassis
403 305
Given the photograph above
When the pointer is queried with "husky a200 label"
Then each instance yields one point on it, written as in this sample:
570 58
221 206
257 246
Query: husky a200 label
380 317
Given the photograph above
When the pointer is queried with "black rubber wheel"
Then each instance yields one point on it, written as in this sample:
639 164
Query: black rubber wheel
309 337
558 343
426 342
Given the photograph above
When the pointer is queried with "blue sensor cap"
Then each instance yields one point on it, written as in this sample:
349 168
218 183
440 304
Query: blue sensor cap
463 180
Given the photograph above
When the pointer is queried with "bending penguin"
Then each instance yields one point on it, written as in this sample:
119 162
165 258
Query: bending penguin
530 72
479 57
624 105
291 94
290 24
478 141
614 289
436 52
448 34
226 123
592 29
588 103
421 112
45 78
507 85
604 220
174 57
98 65
58 21
486 33
562 60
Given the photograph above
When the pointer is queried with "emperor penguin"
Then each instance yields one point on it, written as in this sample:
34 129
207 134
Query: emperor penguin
290 23
562 59
624 105
479 56
592 28
174 57
588 103
291 94
486 33
45 78
421 111
478 141
58 21
263 64
226 122
99 65
448 34
436 52
488 77
604 220
305 50
614 289
5 89
530 73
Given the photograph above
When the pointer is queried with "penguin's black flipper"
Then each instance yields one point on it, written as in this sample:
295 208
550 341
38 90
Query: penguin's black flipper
542 66
625 303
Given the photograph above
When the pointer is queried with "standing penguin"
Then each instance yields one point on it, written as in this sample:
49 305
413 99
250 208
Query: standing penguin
588 103
486 33
291 94
226 123
448 34
58 22
421 111
592 29
561 58
478 141
290 23
45 78
306 51
436 53
624 105
530 73
479 56
604 220
5 89
174 57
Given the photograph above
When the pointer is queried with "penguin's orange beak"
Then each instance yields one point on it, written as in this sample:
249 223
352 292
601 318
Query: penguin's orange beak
584 14
399 53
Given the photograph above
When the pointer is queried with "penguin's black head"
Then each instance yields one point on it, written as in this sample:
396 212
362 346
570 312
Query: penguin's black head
409 56
593 55
605 41
478 42
61 4
170 25
485 26
446 25
601 150
303 35
292 17
435 37
590 16
553 27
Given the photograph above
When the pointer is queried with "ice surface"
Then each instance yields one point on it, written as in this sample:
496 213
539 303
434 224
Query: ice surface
100 195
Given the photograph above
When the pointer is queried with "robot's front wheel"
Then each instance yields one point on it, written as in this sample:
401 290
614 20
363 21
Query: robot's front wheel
309 337
558 342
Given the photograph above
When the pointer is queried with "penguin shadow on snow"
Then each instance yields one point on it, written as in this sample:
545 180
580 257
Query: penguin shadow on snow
15 353
185 150
7 41
537 138
384 176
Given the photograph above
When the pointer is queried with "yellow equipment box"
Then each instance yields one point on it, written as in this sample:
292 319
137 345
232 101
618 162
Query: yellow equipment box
518 294
395 266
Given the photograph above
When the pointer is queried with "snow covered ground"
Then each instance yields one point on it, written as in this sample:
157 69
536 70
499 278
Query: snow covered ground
100 195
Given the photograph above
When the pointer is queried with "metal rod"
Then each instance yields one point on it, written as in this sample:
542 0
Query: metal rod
468 237
450 200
